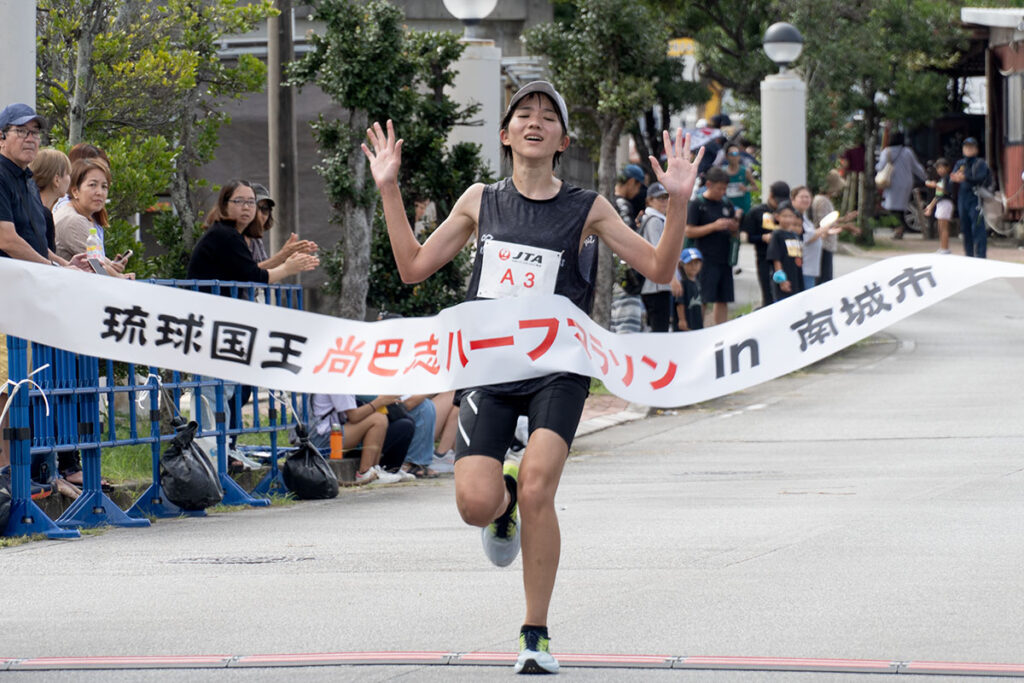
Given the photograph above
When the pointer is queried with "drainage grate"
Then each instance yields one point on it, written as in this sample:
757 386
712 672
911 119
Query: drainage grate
242 559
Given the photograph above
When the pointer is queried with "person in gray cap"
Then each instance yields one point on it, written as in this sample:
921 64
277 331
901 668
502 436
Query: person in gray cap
558 225
974 177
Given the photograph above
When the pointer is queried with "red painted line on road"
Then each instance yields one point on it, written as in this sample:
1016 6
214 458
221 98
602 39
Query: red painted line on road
325 658
785 663
581 660
963 667
122 662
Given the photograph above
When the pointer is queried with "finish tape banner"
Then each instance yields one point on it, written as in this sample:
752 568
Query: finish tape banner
474 343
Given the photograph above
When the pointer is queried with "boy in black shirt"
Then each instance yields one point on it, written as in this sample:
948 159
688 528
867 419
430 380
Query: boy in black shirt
711 221
785 251
758 223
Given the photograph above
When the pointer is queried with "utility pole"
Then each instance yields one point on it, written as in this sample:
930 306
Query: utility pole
283 169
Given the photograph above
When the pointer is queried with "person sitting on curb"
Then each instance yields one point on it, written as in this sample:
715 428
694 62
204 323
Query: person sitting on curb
361 425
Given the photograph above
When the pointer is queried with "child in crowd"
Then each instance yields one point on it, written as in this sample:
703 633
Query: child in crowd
786 251
690 304
942 204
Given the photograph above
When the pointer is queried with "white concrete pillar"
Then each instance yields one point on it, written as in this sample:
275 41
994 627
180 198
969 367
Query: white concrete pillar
18 37
479 82
783 130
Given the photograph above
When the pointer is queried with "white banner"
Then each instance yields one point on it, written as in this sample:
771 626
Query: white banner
479 342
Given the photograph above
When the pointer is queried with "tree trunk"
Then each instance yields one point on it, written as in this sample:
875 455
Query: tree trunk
357 228
866 200
606 186
181 188
92 24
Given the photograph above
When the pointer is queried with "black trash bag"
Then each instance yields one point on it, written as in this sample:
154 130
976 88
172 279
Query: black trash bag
5 498
188 478
306 473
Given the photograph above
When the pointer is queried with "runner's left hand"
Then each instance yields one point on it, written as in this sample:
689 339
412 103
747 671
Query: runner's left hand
681 173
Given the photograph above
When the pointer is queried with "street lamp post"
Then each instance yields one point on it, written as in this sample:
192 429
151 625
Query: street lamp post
478 81
783 111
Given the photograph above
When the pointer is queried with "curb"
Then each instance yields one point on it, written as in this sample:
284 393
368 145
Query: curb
632 413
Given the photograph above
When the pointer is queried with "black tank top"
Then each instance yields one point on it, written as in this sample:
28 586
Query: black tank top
555 224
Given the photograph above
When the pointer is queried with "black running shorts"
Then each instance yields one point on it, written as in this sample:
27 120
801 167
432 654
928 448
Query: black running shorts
487 421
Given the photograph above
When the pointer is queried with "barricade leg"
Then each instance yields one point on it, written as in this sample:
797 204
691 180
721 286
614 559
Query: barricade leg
153 502
272 483
26 517
233 493
93 508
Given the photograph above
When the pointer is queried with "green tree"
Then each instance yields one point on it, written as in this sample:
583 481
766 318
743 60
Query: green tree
602 61
145 81
374 69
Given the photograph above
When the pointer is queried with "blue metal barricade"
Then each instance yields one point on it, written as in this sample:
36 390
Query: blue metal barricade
63 415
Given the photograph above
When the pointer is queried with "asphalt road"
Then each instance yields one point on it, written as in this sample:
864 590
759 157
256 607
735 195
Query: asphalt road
869 507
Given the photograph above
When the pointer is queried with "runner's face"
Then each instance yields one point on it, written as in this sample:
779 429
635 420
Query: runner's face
91 194
535 129
242 206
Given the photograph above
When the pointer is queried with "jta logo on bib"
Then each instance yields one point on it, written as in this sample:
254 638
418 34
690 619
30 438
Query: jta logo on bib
510 269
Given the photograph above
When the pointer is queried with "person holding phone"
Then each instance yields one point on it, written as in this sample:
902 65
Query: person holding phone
89 188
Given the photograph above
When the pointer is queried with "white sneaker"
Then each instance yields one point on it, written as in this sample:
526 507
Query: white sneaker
443 463
943 251
406 475
366 477
385 477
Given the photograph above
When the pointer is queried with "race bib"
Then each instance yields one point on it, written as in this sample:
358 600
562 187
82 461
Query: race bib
510 269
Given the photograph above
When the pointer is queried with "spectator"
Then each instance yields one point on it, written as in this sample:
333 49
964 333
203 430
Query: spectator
822 206
657 297
813 234
419 457
362 425
445 429
399 435
222 252
51 170
424 217
905 167
741 180
690 303
785 250
711 222
941 204
758 225
254 234
87 209
22 215
974 176
627 306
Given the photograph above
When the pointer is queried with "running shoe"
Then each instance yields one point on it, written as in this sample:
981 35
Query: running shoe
534 654
501 537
